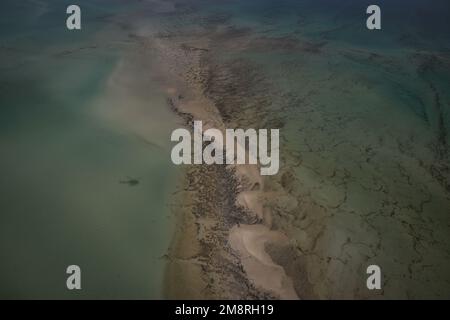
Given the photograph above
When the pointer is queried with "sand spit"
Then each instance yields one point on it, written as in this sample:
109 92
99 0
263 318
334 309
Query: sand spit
250 242
218 250
226 225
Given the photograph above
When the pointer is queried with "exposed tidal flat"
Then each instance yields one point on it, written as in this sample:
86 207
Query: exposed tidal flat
364 175
365 171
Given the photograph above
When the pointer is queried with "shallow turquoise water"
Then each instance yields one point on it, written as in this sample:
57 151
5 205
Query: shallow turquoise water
62 202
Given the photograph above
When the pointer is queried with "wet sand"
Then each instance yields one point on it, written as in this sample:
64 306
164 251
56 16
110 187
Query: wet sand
223 211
